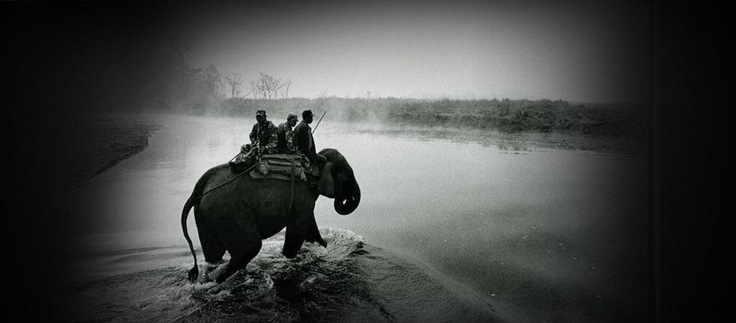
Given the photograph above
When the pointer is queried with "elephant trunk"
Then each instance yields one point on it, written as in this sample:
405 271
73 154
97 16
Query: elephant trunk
347 205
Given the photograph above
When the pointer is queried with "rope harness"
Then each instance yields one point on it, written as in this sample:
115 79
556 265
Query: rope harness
292 181
228 181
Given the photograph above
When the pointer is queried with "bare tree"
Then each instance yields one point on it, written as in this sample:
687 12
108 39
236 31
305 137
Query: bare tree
285 93
233 81
254 89
269 87
266 83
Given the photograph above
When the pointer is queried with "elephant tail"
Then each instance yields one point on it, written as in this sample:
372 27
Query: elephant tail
194 272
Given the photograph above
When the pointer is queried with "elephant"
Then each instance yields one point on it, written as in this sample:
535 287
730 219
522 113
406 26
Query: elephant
234 214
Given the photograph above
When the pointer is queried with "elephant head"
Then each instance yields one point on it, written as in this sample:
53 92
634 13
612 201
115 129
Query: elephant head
337 181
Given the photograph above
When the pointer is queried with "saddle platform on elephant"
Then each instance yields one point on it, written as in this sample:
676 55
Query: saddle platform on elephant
284 167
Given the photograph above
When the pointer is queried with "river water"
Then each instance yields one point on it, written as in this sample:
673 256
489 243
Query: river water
536 234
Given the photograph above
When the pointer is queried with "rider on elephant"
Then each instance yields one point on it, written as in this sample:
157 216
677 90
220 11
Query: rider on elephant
263 134
305 142
264 140
285 135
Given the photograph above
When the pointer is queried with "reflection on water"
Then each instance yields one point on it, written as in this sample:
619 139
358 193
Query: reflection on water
552 234
503 142
511 142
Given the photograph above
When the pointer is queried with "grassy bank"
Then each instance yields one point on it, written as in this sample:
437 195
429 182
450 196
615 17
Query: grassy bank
558 124
102 143
507 116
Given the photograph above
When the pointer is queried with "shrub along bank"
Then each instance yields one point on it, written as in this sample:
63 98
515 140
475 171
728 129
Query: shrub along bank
506 116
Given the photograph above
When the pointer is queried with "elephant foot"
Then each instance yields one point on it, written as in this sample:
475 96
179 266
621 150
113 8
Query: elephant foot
229 271
289 254
318 241
322 243
208 270
221 278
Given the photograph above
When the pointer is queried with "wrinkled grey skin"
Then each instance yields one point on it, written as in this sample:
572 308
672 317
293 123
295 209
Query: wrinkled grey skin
236 216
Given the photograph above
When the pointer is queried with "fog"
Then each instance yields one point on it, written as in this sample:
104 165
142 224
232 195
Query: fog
123 57
455 49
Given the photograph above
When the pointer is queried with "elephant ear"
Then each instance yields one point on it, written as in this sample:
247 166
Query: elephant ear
326 183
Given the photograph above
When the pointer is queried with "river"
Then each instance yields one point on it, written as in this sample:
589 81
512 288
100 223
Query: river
538 234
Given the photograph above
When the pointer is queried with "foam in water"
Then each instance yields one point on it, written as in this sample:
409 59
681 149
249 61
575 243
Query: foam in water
347 281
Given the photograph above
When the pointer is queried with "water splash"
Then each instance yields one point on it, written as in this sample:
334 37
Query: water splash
347 281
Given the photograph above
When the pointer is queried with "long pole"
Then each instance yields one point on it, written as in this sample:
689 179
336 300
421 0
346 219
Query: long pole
320 120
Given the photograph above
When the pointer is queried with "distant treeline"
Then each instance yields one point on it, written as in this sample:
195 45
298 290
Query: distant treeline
122 77
165 82
510 116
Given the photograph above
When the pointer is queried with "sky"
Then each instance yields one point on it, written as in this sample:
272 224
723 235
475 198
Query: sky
566 50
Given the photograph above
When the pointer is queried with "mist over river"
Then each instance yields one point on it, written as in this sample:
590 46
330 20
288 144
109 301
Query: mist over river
535 234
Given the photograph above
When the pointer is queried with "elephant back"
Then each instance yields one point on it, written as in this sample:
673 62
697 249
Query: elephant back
285 167
217 177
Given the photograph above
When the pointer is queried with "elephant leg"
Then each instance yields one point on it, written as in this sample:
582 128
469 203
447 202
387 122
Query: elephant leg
313 234
243 246
212 248
295 235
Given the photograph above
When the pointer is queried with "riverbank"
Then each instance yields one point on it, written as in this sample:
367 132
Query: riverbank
104 142
503 116
510 124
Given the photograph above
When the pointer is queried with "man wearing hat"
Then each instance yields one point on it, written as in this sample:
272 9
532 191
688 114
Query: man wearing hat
304 140
285 135
263 137
263 134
